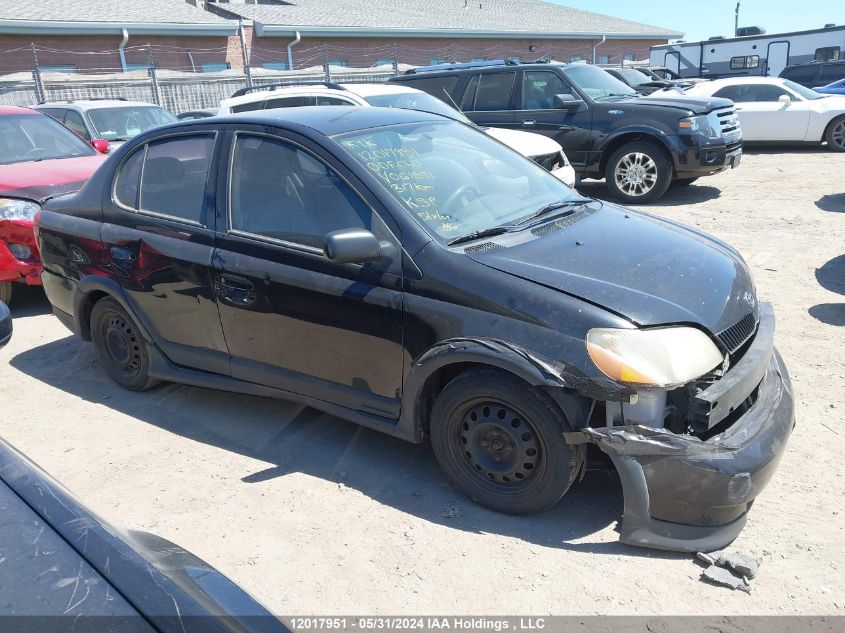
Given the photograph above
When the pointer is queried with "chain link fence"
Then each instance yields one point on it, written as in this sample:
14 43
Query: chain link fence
173 90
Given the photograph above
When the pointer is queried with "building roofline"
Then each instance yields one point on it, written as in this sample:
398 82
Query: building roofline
277 30
55 27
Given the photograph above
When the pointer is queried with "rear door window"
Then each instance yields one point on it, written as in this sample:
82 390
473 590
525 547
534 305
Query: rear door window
831 73
440 87
802 74
167 177
494 92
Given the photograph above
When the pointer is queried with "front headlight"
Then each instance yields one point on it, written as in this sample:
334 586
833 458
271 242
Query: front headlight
659 357
14 209
697 125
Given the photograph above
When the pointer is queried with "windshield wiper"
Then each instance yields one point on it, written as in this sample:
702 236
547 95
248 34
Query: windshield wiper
477 235
554 206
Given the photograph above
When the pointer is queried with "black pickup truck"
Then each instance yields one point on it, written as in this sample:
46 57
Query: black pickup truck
640 145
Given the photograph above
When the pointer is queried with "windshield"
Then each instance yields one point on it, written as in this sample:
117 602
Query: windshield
597 84
34 137
807 93
121 124
452 178
633 77
417 101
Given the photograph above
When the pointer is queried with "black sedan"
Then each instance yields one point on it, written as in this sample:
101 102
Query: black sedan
410 274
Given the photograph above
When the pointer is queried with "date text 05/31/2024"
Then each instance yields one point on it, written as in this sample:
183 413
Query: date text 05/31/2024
475 624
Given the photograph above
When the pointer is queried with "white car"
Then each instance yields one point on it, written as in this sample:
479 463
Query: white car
776 110
544 151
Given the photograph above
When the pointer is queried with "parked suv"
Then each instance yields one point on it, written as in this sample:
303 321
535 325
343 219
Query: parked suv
114 120
639 145
815 73
541 149
405 271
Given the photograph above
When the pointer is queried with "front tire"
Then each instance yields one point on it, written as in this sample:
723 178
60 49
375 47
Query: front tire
122 348
638 173
500 441
835 135
6 292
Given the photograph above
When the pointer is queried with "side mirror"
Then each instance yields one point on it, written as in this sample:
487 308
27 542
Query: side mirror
785 99
351 246
567 102
101 145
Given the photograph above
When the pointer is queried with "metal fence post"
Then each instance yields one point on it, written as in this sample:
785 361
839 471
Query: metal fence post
327 71
395 67
40 93
153 77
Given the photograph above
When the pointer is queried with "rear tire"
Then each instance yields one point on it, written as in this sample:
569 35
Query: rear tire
6 292
500 441
683 182
638 173
122 348
835 135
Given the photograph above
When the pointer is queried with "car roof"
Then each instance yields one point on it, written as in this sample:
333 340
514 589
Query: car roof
734 81
16 110
370 90
327 120
95 103
263 95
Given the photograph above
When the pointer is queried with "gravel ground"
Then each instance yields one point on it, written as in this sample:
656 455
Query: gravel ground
316 516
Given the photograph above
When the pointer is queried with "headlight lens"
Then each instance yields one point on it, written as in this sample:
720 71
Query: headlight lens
659 357
697 125
12 209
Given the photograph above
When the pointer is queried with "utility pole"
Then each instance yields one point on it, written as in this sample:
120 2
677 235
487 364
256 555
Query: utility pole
736 21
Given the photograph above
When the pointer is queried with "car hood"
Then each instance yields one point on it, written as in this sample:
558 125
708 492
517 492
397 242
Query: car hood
698 104
648 270
526 143
36 180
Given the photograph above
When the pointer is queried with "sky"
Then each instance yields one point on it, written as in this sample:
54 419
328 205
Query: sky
703 19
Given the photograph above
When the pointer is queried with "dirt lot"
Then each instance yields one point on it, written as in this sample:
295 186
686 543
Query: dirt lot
316 516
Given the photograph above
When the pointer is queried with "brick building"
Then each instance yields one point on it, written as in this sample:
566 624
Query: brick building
359 34
195 35
112 35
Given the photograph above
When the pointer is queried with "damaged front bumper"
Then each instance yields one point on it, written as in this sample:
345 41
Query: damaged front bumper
26 270
684 493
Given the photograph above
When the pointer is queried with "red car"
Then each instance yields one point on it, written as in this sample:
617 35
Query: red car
39 159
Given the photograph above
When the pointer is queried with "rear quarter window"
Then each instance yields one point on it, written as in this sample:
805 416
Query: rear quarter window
440 87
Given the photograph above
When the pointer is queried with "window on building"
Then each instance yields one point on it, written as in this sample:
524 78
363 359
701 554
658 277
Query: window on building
338 62
514 58
828 53
575 58
389 61
604 59
284 193
215 67
173 179
275 65
131 67
58 68
494 92
434 61
478 59
744 62
629 58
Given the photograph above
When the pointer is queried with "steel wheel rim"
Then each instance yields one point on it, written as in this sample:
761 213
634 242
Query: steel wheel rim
635 174
121 345
837 137
500 446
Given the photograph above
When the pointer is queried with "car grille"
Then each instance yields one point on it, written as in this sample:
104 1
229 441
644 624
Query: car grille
739 333
549 162
728 120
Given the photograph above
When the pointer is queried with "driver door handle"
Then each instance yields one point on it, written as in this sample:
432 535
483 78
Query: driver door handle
529 123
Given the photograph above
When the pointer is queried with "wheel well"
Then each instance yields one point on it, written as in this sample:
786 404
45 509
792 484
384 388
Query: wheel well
624 139
434 385
85 315
833 121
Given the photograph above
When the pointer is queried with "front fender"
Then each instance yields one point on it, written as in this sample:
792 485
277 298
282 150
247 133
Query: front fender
533 368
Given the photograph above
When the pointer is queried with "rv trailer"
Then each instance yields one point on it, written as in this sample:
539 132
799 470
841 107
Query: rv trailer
761 55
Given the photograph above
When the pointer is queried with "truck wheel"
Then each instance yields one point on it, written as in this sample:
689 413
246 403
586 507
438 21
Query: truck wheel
683 182
6 292
638 173
120 345
835 135
500 441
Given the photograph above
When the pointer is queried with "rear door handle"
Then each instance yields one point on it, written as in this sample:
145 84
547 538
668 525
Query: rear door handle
234 281
235 290
529 123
